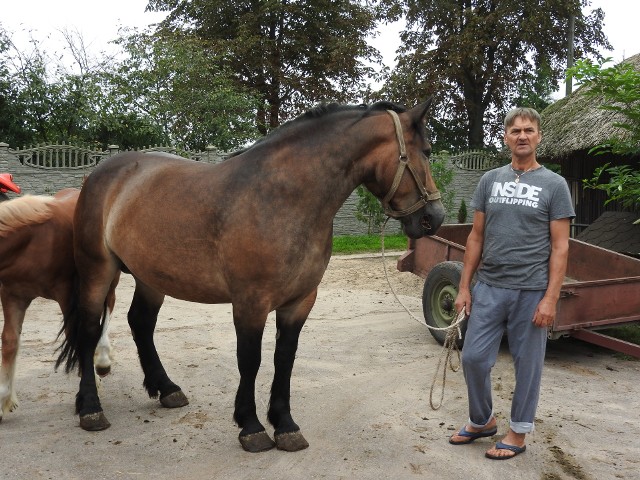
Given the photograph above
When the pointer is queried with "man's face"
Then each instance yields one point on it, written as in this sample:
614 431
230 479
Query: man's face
522 137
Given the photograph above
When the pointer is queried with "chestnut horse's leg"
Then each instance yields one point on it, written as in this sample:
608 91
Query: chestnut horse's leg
103 356
289 323
143 315
14 309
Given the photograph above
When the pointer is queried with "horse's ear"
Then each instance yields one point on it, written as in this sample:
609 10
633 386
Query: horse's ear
419 112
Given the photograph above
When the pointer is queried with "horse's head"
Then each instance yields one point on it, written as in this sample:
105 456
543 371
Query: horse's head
403 178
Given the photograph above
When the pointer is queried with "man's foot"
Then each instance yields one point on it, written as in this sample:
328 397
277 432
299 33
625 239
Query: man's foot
468 434
503 451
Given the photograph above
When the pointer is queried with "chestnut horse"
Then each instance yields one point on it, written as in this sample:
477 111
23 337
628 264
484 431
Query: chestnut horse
36 260
255 230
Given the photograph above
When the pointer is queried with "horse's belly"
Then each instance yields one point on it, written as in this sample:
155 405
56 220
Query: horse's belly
182 280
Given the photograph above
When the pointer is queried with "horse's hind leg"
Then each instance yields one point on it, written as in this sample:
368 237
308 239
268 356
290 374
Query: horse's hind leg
143 315
289 323
14 310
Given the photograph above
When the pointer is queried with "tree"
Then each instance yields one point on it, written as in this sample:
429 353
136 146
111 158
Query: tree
369 210
48 100
476 56
618 90
170 83
10 112
290 54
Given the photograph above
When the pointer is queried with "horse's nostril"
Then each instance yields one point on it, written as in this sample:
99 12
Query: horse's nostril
425 223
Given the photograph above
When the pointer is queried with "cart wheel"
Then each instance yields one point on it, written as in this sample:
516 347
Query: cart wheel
438 299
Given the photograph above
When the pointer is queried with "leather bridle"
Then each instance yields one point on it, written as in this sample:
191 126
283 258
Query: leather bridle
425 195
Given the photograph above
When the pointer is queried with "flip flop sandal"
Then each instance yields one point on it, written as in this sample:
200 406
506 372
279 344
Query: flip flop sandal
471 436
503 446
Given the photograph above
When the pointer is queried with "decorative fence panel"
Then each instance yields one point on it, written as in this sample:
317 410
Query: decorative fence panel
468 167
46 169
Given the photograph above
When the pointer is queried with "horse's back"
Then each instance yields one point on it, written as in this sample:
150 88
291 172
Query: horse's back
40 250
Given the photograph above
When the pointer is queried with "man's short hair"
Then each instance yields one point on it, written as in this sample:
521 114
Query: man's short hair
525 112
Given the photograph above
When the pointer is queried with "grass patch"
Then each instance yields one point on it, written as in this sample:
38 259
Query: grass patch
629 333
349 244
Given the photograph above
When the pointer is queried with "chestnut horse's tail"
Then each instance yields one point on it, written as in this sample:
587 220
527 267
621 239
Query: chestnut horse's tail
69 350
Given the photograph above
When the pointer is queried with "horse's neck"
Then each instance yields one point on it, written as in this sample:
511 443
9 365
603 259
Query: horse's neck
325 180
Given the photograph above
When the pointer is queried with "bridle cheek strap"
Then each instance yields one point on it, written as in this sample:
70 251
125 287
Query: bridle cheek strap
403 160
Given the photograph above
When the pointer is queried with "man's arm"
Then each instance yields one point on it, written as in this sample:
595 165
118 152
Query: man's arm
472 257
546 311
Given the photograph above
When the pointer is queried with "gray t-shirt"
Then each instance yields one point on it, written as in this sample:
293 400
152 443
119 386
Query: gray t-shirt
517 243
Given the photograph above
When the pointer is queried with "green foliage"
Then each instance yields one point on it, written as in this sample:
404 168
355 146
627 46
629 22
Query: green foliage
44 100
167 89
623 186
629 333
290 54
462 212
369 210
171 81
443 176
618 87
477 56
349 244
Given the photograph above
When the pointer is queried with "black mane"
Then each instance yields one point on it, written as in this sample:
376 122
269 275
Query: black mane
323 110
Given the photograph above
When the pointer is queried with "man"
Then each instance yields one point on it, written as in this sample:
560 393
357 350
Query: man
517 249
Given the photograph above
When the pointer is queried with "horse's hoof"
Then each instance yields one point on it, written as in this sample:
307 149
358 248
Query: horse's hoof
103 371
291 441
174 400
93 422
256 442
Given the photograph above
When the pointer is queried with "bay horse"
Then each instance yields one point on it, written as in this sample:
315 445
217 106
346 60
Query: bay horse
254 230
36 260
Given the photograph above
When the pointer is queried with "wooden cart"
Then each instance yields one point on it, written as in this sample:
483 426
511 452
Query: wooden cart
601 289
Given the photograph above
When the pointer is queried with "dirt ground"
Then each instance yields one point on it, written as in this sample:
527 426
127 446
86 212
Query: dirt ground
360 392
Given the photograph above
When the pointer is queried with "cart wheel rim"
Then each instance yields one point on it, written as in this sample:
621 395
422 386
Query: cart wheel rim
443 304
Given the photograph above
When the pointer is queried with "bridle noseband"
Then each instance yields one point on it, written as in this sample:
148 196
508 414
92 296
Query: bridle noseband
425 196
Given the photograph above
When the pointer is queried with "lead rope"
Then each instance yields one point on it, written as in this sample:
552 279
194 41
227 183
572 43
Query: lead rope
450 342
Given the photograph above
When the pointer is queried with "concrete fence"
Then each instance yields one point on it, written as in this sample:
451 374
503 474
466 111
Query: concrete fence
46 169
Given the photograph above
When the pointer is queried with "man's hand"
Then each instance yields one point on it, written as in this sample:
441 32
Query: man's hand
463 300
545 313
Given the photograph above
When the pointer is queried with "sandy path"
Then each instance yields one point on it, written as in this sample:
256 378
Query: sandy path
360 394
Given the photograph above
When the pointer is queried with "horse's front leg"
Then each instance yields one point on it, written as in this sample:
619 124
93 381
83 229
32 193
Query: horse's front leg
289 323
14 310
253 436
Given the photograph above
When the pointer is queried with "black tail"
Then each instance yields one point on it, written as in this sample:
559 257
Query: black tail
69 349
70 327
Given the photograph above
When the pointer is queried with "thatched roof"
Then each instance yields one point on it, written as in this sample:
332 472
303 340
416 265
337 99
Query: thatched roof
576 123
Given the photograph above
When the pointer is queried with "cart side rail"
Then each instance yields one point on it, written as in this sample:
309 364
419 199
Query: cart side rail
598 303
424 253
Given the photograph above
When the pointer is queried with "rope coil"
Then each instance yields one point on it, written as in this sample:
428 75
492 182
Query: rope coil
450 344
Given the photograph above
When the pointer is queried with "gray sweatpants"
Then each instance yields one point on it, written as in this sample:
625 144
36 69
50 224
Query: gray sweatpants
494 310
